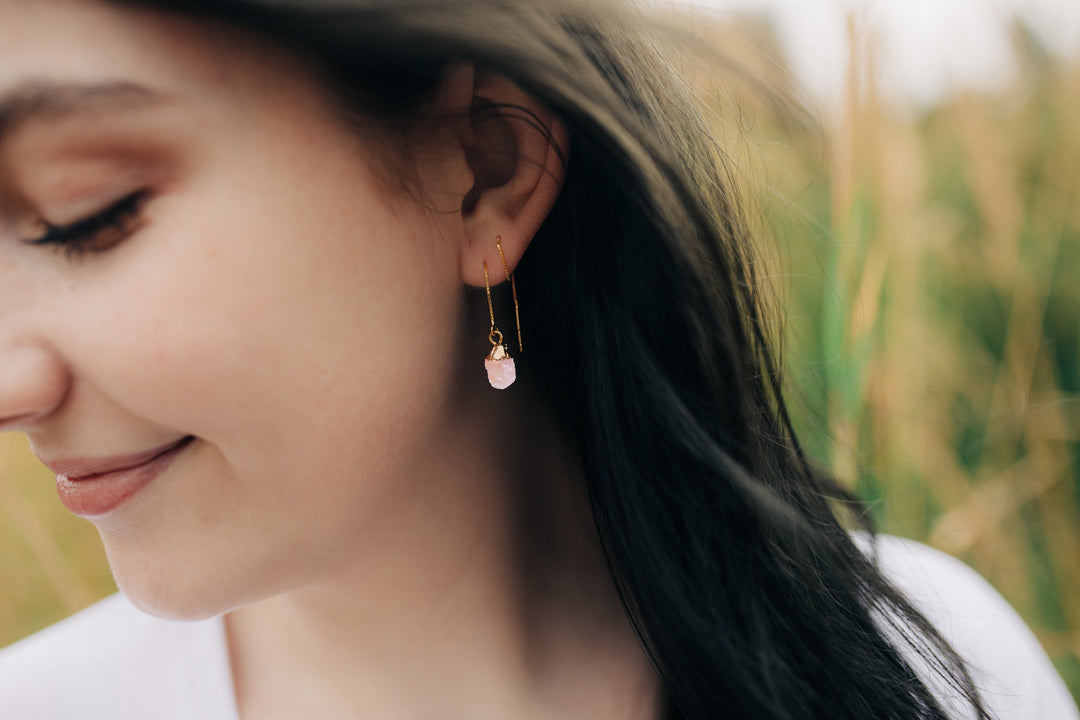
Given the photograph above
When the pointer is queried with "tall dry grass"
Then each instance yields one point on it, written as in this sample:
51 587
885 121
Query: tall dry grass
930 268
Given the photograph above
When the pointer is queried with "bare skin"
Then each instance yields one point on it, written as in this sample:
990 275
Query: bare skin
388 536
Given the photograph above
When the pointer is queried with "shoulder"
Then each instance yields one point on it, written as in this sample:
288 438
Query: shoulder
110 660
1009 666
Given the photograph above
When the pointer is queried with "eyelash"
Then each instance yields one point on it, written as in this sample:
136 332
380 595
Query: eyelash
77 239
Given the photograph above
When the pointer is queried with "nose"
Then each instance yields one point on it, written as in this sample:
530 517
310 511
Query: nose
33 382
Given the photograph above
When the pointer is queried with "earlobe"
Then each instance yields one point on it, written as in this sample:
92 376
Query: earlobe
515 148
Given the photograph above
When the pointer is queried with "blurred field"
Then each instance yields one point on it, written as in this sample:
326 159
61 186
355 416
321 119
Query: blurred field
930 270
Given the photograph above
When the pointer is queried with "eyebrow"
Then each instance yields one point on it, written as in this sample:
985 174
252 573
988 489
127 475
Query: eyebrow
34 100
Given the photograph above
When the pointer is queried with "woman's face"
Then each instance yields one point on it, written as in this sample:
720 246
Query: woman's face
256 290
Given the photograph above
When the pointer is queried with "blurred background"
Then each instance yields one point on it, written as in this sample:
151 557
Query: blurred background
921 224
920 220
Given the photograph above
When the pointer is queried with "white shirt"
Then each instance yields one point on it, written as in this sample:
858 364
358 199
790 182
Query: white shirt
114 662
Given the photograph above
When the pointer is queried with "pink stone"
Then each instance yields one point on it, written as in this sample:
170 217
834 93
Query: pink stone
501 373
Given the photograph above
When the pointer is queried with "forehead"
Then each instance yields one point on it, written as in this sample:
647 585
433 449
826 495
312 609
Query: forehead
91 42
73 41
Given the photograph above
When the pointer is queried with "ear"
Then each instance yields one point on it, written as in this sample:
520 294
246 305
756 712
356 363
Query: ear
515 151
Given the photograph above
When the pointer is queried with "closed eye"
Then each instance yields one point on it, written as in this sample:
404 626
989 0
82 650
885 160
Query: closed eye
98 232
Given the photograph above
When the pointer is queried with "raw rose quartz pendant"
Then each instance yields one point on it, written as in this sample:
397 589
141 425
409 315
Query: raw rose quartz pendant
500 368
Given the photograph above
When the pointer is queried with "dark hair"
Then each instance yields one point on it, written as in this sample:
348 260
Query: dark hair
728 547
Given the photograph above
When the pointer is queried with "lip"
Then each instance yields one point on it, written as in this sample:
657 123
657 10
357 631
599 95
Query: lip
96 487
79 468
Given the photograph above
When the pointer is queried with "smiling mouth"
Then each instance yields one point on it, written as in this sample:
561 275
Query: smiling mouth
93 494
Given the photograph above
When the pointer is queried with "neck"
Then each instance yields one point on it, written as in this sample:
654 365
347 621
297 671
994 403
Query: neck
482 594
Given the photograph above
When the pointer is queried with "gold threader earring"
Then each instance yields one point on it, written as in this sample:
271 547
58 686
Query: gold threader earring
500 366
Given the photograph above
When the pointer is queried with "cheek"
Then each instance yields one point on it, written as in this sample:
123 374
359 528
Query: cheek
278 315
311 349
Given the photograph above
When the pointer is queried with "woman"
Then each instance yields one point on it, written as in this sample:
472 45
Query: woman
408 358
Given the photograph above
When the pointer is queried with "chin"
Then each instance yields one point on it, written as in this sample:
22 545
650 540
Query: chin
165 592
173 602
